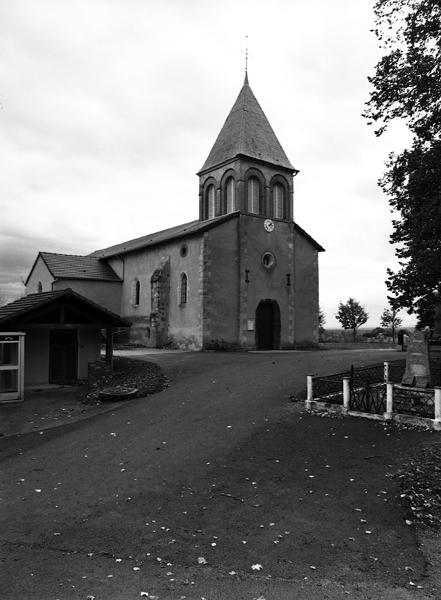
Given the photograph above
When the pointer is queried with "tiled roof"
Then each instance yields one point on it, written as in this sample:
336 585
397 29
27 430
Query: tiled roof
180 231
165 235
71 266
20 307
247 131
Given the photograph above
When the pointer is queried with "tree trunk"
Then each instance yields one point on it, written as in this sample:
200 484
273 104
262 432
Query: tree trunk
354 333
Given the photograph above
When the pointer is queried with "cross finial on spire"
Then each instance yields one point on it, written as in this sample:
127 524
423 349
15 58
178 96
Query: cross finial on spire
246 59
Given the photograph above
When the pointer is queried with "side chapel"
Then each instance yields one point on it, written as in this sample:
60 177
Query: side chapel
244 275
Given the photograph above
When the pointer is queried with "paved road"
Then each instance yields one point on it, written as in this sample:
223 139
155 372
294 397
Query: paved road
179 495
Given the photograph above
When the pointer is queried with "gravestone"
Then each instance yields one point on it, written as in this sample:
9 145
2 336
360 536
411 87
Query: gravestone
417 361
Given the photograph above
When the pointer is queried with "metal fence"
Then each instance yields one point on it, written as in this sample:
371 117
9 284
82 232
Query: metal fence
414 401
367 389
368 398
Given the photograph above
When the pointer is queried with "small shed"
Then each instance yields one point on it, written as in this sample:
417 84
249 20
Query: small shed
64 333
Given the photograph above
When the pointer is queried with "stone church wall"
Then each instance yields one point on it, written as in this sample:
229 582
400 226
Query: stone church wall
306 285
263 283
104 293
179 323
220 321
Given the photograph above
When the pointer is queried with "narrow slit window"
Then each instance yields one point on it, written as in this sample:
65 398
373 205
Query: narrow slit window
184 289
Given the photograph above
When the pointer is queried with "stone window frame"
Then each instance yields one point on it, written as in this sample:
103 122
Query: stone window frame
279 179
257 174
211 181
183 289
136 298
226 177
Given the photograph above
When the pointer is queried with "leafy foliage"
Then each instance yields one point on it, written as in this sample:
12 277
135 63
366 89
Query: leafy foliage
407 85
351 315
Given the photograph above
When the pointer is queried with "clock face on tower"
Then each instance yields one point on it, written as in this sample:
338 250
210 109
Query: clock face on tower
269 225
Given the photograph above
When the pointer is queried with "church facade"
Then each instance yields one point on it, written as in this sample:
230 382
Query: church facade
244 275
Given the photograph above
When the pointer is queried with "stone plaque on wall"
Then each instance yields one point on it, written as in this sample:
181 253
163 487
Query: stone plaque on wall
417 361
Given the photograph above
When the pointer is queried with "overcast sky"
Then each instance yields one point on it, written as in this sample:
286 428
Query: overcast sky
109 108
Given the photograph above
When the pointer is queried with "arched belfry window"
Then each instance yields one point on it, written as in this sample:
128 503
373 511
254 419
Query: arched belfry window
254 195
279 201
183 292
230 195
210 202
39 287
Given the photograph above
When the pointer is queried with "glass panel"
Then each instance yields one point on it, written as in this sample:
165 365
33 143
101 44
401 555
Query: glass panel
9 353
8 381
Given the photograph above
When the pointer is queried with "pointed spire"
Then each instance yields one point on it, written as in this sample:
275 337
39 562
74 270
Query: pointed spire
247 132
246 62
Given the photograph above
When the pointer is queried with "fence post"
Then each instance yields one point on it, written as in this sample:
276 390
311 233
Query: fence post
437 408
309 391
346 393
386 371
389 400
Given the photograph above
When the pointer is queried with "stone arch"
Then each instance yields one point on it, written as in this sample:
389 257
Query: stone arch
268 325
279 206
255 205
210 207
229 198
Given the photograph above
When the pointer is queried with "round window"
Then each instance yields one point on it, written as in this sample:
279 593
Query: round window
268 260
184 250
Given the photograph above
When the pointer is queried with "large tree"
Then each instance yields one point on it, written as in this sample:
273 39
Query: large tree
407 86
351 315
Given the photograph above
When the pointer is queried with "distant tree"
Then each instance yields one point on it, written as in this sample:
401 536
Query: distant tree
351 315
390 319
406 87
322 321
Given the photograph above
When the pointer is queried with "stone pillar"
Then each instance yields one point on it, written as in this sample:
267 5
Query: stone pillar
309 391
346 393
437 409
389 400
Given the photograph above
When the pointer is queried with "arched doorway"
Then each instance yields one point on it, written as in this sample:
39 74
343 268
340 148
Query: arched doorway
267 325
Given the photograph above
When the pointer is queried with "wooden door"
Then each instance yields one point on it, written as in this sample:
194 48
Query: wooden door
63 355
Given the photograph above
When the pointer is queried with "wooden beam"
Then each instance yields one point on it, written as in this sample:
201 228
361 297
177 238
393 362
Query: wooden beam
109 346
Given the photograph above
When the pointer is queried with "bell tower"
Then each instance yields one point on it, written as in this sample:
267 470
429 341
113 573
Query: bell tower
247 169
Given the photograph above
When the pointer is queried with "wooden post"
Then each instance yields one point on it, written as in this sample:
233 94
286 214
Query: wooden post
386 371
309 391
109 346
389 400
346 393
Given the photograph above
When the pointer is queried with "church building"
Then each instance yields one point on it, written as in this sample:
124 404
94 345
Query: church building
242 276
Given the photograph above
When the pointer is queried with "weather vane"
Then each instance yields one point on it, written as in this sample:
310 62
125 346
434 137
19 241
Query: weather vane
246 53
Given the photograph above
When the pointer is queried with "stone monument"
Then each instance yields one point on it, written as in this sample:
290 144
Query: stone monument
417 361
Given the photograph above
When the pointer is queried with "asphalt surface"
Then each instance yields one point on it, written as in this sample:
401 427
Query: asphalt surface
219 487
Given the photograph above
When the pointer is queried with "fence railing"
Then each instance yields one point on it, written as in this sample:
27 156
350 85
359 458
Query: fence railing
376 390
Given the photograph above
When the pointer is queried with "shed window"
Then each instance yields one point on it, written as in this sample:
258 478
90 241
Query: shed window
183 290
